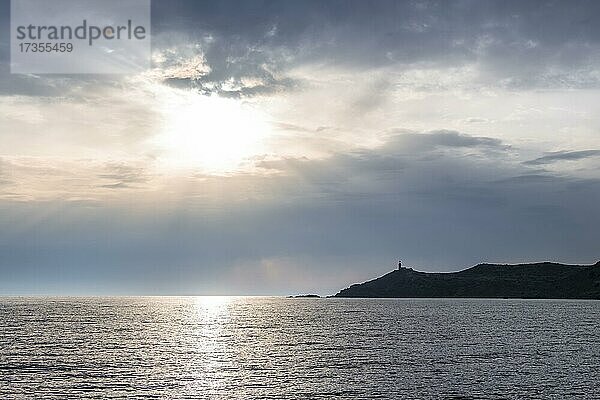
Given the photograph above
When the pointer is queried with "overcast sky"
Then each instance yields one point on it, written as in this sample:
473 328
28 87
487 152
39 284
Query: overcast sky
298 146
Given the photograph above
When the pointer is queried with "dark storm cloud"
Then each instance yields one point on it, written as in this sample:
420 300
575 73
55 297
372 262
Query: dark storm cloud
563 156
516 44
444 205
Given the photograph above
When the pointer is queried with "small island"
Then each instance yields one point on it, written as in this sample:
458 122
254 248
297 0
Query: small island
305 296
545 280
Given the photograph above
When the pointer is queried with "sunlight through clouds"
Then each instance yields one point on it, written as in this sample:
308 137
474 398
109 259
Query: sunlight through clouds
210 134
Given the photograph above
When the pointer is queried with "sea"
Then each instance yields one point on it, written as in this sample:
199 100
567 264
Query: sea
302 348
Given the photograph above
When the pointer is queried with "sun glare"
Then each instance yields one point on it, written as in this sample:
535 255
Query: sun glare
210 133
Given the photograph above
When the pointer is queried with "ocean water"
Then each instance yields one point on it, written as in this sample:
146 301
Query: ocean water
278 348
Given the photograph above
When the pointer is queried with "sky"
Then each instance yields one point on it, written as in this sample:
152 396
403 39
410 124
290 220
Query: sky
282 147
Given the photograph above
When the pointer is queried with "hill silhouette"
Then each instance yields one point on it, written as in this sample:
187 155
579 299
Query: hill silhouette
532 281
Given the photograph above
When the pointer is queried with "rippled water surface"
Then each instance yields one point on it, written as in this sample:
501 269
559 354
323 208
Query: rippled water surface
277 348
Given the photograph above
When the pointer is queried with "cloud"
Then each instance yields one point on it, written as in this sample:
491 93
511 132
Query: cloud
563 156
250 50
416 142
126 176
119 185
510 44
4 173
475 120
212 62
530 178
446 204
338 189
38 180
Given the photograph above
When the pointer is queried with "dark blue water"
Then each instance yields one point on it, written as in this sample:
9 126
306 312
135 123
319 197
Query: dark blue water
277 348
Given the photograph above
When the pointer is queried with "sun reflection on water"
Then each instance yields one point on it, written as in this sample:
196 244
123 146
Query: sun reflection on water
212 305
209 339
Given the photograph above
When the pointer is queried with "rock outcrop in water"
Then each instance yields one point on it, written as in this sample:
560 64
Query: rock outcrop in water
532 281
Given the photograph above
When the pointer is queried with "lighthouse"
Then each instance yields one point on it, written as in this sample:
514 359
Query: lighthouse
399 264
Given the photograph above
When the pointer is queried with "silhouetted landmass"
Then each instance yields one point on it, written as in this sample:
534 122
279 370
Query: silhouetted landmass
532 281
300 296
